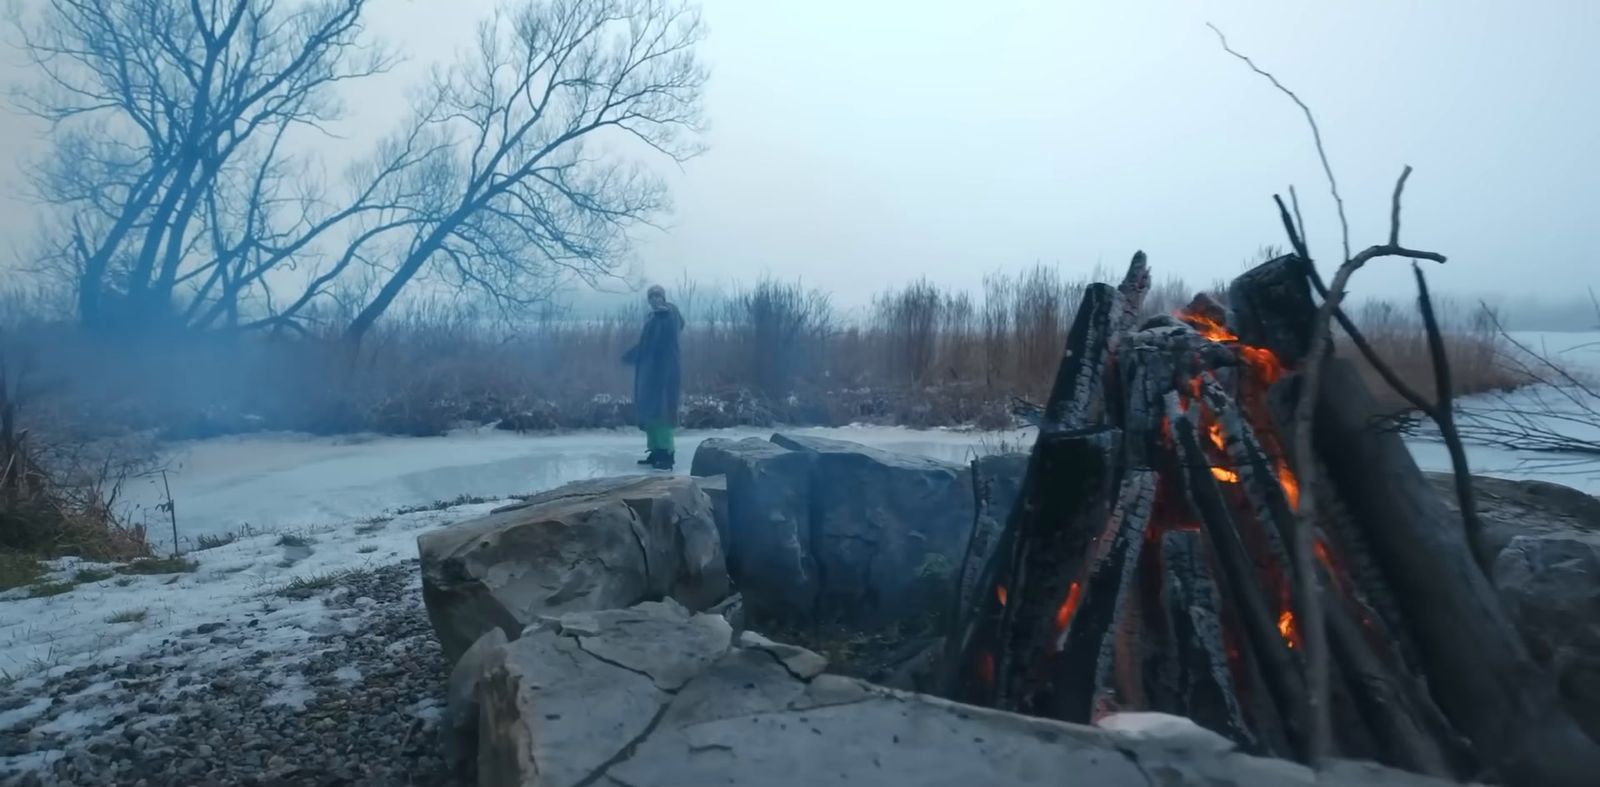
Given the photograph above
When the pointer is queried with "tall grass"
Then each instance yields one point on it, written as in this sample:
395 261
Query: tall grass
774 351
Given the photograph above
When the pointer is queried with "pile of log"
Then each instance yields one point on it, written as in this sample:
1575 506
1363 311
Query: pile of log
1149 561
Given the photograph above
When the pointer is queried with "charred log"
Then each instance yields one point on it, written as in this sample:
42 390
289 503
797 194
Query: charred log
1479 671
998 649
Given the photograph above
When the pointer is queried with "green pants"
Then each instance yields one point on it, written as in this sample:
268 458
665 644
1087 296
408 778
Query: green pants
658 437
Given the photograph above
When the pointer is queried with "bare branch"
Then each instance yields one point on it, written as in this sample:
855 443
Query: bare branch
1316 133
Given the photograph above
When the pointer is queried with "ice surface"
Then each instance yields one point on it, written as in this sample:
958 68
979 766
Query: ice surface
279 481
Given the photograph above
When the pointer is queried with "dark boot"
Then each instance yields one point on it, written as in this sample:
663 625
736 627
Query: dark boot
664 460
651 458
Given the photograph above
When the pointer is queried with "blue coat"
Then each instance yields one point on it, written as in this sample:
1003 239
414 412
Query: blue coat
657 373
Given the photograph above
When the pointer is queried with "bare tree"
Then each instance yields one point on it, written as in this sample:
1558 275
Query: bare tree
532 179
168 166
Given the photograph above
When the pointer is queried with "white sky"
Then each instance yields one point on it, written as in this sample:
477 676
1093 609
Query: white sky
860 144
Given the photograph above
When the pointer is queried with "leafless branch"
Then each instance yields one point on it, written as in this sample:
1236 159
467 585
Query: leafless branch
1316 135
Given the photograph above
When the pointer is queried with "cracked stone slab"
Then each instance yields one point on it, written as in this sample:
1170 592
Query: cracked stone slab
556 713
659 640
801 663
555 708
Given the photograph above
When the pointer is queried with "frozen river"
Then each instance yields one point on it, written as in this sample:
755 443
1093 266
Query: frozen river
279 481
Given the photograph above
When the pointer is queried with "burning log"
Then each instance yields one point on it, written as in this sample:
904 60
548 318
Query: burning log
1151 559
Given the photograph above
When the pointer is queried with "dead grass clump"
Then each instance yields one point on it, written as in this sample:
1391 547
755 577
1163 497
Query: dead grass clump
58 492
159 565
213 541
19 570
1472 343
129 616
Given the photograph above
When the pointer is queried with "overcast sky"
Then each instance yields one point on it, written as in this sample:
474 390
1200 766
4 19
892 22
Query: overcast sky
860 144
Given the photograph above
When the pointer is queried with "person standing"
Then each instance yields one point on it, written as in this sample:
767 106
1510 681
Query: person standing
657 376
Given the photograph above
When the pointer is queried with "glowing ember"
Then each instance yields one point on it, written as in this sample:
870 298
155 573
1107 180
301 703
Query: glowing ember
986 668
1000 593
1216 436
1291 485
1225 475
1263 362
1322 554
1207 327
1068 607
1286 627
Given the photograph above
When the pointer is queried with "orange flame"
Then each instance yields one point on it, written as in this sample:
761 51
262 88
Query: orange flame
1291 485
1069 607
1000 593
1286 628
1216 436
1225 475
1207 327
1263 362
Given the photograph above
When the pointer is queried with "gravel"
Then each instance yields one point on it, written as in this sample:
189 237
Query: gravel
355 707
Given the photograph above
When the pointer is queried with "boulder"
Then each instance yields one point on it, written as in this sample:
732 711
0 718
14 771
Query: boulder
459 727
1547 541
657 697
590 545
886 531
768 535
1550 584
827 530
716 489
717 455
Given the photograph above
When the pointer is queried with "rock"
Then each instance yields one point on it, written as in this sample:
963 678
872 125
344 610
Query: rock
768 542
888 531
459 727
590 545
716 489
801 663
558 713
1550 584
1167 728
557 707
1547 541
825 530
732 610
717 455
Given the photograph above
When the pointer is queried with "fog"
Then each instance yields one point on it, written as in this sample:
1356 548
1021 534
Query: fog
860 145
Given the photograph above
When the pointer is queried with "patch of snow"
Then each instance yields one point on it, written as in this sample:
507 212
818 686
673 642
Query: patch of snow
39 761
430 710
77 719
292 692
236 585
17 717
347 675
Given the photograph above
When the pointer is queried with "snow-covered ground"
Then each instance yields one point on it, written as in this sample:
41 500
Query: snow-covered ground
338 495
270 610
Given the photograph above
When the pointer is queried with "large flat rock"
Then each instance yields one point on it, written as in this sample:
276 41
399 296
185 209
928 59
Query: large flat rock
657 697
